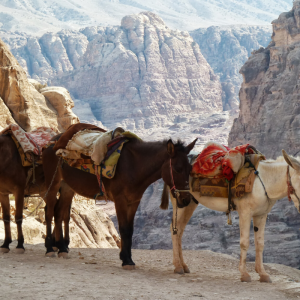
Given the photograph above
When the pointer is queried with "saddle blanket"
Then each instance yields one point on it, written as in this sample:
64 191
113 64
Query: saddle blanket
219 187
108 167
217 161
88 142
29 143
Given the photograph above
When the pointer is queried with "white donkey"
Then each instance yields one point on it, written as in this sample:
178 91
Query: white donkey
281 177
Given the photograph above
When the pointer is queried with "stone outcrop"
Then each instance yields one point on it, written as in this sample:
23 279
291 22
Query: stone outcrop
226 49
269 109
22 103
5 115
139 75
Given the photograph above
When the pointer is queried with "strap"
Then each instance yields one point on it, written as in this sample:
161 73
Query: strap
172 175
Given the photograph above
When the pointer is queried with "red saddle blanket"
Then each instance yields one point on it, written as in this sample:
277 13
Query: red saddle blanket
217 161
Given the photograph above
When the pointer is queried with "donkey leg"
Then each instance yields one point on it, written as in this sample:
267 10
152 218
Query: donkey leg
245 221
67 217
49 214
189 210
19 200
183 216
66 196
4 200
259 233
125 214
59 239
61 209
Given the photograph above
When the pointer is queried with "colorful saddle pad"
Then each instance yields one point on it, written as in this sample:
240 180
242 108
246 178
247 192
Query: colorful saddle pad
219 161
219 187
109 166
29 143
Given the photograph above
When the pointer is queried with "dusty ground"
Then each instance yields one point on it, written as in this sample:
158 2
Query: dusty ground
97 274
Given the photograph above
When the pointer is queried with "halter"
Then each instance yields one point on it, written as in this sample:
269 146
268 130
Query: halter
291 190
176 191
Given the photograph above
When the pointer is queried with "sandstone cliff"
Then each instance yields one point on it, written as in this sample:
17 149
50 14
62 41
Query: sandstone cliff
226 49
269 109
22 103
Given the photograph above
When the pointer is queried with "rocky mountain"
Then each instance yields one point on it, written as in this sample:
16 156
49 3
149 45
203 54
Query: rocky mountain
140 75
269 110
226 49
39 16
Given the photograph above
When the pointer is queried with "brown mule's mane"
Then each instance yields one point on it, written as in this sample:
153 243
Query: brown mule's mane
156 145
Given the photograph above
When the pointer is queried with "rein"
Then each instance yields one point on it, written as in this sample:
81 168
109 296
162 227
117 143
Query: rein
291 190
177 194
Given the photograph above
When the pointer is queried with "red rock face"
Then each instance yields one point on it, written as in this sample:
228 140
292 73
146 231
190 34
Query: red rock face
270 94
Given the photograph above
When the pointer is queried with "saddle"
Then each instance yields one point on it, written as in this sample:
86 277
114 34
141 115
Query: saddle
241 183
30 145
219 171
93 150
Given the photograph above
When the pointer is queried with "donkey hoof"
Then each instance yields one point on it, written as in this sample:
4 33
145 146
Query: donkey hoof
4 250
50 254
179 270
55 249
245 278
265 278
128 267
186 269
63 255
20 250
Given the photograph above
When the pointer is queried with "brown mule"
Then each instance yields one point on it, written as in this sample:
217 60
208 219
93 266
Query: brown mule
141 163
13 177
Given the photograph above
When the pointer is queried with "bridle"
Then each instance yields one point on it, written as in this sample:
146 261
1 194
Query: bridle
291 190
176 191
177 195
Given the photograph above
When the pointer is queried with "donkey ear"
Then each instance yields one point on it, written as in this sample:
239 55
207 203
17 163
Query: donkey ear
291 161
170 148
191 146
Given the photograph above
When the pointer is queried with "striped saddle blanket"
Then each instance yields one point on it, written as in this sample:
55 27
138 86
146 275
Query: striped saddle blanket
29 144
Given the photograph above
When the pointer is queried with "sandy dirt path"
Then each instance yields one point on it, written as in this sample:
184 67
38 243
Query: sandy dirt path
97 274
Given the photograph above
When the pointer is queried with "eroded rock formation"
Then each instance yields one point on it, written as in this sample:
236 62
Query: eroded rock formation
139 75
22 103
269 111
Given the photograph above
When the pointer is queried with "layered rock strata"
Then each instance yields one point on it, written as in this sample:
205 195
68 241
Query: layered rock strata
139 75
269 109
22 103
226 49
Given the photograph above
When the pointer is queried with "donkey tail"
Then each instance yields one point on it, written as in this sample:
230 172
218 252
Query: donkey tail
165 198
